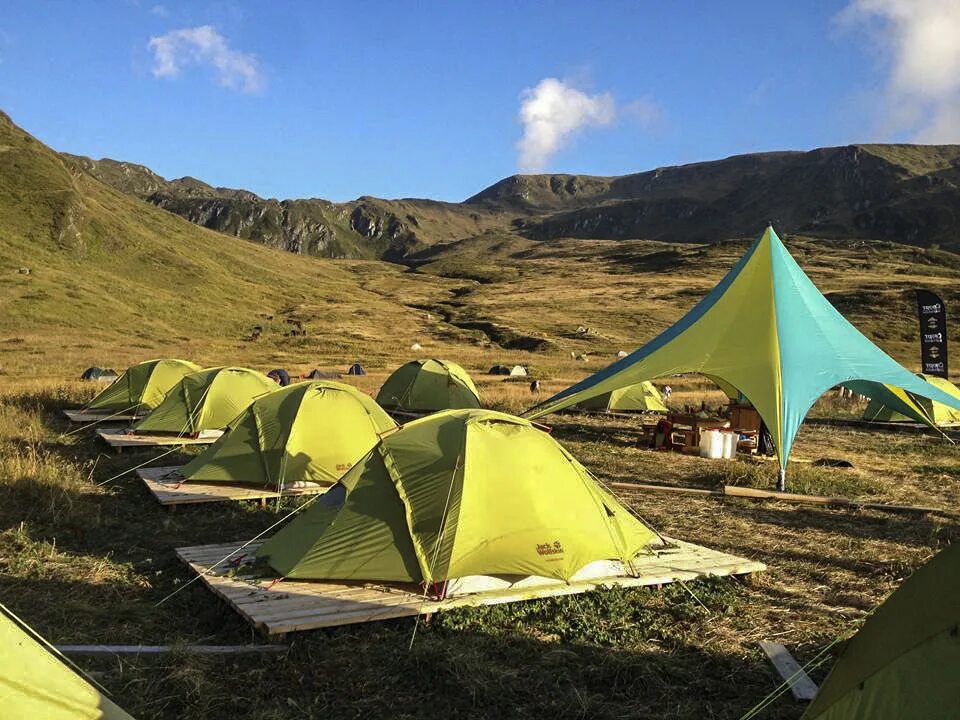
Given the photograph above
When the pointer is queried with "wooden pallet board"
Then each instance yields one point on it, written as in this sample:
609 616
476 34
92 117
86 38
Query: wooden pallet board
163 484
80 415
120 440
290 606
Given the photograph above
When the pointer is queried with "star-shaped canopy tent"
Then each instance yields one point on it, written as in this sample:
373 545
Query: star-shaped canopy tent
766 331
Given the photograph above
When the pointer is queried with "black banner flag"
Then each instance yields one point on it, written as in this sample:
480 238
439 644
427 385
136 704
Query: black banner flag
933 333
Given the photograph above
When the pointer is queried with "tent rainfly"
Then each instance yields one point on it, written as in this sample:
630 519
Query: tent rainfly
462 500
36 681
767 331
142 386
206 400
356 369
633 398
428 386
518 371
905 660
918 409
310 432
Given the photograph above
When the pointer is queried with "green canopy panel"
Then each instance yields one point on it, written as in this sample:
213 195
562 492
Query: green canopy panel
767 331
428 386
206 400
639 397
142 386
902 407
459 493
310 432
36 681
904 663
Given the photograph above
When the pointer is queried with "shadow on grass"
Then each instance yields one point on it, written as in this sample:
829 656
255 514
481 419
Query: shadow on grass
457 669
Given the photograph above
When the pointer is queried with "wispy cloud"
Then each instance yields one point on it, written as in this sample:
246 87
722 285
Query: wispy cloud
160 11
554 112
203 45
920 41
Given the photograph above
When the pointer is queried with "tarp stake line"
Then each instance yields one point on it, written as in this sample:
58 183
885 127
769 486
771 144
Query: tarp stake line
436 549
213 566
815 662
175 448
97 422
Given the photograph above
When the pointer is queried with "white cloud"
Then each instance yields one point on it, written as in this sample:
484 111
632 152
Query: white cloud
645 111
921 41
203 45
551 114
160 11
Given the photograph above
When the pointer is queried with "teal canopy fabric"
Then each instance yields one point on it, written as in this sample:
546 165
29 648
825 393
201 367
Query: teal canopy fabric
767 331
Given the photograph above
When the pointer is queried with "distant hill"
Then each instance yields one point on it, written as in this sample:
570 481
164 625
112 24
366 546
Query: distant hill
364 228
900 193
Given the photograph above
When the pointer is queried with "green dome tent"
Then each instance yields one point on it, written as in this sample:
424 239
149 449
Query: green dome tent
206 400
36 681
921 409
142 386
310 432
633 398
904 663
455 495
428 386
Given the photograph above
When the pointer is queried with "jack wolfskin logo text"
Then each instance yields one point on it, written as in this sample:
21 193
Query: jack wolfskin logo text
554 548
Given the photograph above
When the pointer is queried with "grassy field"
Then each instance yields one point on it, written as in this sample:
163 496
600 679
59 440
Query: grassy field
86 554
86 562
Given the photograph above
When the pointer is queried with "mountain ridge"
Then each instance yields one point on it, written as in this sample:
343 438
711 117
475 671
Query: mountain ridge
890 192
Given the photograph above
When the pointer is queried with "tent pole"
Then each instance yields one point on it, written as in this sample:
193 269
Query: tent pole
782 480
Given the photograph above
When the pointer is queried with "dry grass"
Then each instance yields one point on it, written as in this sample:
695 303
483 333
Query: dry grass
88 564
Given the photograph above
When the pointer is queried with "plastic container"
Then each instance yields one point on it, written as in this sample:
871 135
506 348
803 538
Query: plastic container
711 444
729 445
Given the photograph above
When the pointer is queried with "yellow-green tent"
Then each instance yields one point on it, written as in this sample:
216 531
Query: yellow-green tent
455 494
310 432
142 386
921 409
767 332
904 663
633 398
38 683
428 386
206 400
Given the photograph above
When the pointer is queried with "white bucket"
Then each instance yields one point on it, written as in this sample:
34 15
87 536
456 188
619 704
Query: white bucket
729 445
712 444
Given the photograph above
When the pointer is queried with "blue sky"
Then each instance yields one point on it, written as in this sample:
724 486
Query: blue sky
337 100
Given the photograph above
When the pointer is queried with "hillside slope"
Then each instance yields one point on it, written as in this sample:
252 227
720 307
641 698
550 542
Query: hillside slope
85 267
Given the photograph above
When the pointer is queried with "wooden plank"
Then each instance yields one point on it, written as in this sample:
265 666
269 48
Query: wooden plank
800 684
81 415
757 494
290 606
662 488
117 439
164 483
159 649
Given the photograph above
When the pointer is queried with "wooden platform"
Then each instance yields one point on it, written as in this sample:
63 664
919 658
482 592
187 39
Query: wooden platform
291 605
120 440
162 482
80 415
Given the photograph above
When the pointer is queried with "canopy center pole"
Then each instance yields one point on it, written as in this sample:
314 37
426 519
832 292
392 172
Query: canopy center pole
782 480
